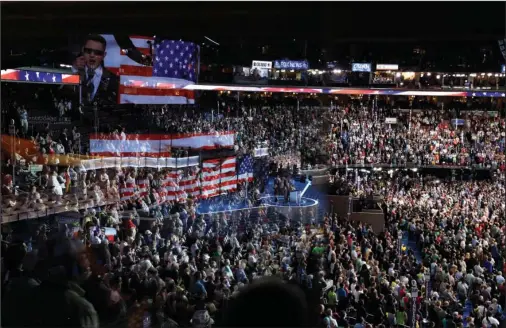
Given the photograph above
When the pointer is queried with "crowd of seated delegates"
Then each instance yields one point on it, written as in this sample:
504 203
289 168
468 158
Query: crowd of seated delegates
183 269
428 139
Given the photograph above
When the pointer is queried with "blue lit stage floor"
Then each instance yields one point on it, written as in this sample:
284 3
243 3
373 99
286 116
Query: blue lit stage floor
279 201
233 202
223 204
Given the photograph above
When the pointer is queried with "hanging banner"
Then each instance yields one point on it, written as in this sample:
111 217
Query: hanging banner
158 145
390 120
34 76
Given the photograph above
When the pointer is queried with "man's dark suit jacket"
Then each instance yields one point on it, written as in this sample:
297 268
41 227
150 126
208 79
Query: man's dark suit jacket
107 92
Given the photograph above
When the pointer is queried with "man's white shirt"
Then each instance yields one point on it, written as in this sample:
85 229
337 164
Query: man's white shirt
95 79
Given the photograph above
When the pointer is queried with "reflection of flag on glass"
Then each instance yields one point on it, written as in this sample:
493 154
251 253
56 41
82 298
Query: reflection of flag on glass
141 83
218 176
187 182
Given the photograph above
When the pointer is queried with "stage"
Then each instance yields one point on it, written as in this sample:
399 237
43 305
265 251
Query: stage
298 208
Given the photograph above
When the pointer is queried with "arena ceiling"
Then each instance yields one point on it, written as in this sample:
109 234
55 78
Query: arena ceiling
34 23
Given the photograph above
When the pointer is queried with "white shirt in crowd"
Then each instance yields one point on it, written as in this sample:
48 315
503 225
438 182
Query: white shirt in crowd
96 240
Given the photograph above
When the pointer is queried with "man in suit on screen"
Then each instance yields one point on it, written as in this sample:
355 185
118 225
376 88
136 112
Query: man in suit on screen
99 85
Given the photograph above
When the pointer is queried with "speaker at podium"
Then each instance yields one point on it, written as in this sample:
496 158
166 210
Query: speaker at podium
295 196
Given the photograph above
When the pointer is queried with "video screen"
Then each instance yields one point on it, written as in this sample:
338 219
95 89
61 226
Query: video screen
136 70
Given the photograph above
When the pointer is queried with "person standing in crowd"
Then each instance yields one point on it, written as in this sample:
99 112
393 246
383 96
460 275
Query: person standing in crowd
23 117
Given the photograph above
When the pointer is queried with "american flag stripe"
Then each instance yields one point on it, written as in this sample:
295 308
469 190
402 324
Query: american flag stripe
154 90
141 91
126 154
218 176
155 145
245 176
136 70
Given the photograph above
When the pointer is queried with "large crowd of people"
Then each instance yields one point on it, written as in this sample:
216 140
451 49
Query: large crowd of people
181 268
364 136
136 252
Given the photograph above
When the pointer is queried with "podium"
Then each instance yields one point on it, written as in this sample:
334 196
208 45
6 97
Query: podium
295 196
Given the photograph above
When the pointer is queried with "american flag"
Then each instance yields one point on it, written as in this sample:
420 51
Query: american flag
145 84
176 59
39 77
246 169
218 176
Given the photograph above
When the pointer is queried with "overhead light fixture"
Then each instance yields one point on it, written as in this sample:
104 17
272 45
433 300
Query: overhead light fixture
216 43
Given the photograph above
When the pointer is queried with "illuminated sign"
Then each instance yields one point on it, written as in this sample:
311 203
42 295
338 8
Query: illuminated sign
261 64
291 64
387 67
361 67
